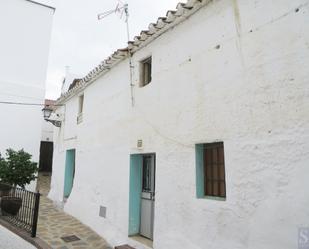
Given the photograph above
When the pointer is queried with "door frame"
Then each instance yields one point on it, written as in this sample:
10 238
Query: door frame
135 192
46 156
69 172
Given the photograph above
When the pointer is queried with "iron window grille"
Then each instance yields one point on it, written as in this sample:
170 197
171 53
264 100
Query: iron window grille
214 170
146 175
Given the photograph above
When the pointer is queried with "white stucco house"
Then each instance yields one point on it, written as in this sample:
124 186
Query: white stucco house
24 47
208 145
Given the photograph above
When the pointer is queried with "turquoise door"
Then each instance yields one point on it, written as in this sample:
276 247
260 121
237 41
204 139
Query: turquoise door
136 163
69 172
141 195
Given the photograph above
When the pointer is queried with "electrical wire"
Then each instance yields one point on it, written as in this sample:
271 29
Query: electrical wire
26 104
22 96
20 103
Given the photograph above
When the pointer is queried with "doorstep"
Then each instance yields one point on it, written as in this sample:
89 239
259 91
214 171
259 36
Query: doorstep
124 247
143 240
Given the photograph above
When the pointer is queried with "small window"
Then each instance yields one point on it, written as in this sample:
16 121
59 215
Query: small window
80 108
145 71
210 170
214 171
146 176
80 103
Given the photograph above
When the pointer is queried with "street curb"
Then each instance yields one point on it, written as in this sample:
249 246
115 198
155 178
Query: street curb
37 242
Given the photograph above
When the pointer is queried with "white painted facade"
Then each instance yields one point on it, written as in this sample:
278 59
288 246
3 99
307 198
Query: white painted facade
235 71
24 47
47 132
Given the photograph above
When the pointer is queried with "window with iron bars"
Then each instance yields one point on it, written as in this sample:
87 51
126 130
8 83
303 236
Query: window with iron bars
210 171
214 170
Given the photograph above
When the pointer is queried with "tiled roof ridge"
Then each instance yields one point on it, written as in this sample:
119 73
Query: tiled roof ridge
172 18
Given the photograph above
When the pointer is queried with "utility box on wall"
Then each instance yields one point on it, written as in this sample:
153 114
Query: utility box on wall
102 212
139 144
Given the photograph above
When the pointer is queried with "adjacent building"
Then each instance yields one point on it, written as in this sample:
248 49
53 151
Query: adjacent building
47 145
207 146
24 47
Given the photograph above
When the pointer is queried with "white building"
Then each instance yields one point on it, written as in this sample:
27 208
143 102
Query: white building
47 145
220 107
47 128
24 47
69 80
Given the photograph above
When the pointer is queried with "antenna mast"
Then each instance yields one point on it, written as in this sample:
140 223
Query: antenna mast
123 8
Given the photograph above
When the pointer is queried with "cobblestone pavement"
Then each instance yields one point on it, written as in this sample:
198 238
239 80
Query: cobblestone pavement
54 224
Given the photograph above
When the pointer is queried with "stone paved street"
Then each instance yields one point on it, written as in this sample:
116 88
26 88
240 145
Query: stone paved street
54 224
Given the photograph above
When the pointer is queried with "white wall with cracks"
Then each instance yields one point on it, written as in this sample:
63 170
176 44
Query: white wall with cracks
235 71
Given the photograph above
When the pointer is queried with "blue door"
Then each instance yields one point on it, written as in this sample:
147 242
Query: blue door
69 172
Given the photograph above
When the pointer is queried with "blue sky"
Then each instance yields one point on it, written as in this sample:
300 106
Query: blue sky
80 41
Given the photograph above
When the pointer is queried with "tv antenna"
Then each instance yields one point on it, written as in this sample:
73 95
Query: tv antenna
122 9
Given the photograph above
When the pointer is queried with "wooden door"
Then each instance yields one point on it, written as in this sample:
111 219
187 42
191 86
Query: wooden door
46 156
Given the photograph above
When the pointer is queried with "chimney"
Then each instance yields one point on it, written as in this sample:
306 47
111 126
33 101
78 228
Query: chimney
65 78
67 71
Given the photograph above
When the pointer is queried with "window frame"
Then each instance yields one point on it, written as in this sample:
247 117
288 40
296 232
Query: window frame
81 101
145 71
218 179
146 176
214 185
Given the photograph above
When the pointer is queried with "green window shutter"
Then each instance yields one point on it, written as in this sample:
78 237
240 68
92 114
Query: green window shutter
199 165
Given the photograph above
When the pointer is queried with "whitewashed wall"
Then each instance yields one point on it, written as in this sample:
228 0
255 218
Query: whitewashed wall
251 92
47 132
24 47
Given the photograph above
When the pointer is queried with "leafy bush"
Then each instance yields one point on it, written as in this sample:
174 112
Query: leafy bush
17 169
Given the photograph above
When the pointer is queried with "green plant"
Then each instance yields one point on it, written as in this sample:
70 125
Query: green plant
17 169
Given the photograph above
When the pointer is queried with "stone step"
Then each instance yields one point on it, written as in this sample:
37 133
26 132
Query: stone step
124 247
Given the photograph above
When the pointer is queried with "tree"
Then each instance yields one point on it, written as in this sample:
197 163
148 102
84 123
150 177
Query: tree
17 169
